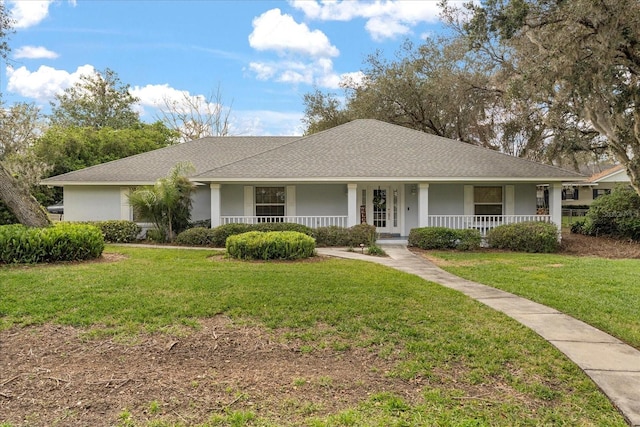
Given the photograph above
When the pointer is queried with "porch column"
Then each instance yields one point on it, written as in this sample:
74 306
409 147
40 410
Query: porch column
555 203
215 205
423 204
352 204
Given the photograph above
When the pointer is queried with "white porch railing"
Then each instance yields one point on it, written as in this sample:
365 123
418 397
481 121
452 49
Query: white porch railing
482 223
309 221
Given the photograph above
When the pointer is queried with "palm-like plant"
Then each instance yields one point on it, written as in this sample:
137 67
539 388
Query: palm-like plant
167 204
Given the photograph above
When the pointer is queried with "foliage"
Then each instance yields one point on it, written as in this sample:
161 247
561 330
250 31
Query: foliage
362 233
332 235
194 117
118 231
616 214
99 100
444 238
282 226
531 236
376 250
222 232
197 236
257 245
62 242
576 62
69 148
168 203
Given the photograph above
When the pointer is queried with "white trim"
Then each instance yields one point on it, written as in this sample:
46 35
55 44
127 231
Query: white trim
248 200
215 205
509 199
555 204
290 202
352 204
469 200
125 207
423 204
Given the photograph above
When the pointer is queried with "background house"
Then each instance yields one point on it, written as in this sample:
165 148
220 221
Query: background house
364 171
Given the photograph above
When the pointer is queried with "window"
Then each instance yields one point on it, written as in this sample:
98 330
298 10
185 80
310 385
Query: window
270 201
570 193
597 192
487 200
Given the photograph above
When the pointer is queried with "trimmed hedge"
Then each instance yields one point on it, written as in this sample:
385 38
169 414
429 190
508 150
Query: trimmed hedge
197 236
616 214
118 231
340 236
62 242
445 238
257 245
532 236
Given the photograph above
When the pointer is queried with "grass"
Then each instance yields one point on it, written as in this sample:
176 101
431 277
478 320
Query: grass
476 366
601 292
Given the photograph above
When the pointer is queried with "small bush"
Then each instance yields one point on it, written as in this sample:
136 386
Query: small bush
203 223
222 232
62 242
362 233
616 214
197 236
282 226
444 238
332 236
578 227
270 245
532 236
118 231
376 250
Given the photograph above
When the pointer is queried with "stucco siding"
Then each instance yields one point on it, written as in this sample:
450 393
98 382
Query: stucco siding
525 199
321 199
91 203
232 200
446 199
201 203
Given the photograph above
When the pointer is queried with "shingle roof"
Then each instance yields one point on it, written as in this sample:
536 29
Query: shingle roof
359 150
205 154
605 173
370 149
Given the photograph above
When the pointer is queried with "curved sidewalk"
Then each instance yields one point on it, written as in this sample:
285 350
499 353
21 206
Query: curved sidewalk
610 363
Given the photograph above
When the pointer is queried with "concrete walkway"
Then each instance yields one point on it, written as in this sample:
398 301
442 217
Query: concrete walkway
611 364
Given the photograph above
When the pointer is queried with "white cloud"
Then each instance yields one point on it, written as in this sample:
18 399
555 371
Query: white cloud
44 83
281 33
29 13
385 18
35 52
266 122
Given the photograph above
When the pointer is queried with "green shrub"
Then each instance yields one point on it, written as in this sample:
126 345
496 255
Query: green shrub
118 231
197 236
62 242
578 227
270 245
282 226
222 232
616 214
532 236
204 223
376 250
445 238
362 233
332 236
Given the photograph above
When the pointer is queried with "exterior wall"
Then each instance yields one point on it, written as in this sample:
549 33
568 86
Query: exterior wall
201 204
91 203
446 199
410 208
232 200
321 199
525 199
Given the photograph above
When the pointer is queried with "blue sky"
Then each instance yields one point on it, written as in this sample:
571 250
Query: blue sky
262 55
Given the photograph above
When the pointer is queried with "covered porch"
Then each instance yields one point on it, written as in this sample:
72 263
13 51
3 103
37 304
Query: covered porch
394 208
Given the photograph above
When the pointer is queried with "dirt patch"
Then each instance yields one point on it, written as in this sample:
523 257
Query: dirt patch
603 247
50 375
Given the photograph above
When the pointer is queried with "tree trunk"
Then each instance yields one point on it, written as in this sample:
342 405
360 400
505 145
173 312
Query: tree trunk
22 204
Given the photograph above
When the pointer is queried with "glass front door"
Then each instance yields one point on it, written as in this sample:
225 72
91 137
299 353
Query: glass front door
382 208
380 211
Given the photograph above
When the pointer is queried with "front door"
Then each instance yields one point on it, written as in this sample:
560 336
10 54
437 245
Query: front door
385 209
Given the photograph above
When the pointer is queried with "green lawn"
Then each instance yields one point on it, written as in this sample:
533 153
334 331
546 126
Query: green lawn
476 367
602 292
